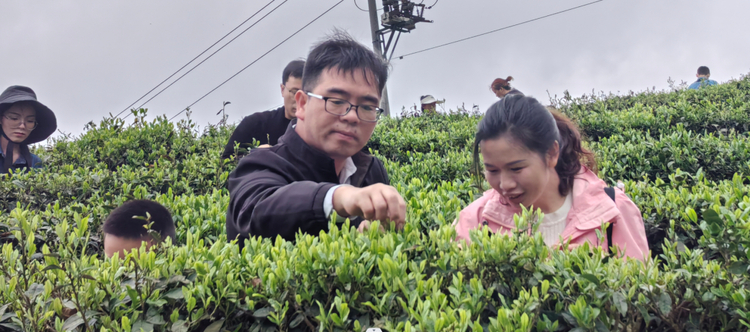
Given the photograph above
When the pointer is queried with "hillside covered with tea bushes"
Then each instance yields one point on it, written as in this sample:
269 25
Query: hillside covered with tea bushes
683 155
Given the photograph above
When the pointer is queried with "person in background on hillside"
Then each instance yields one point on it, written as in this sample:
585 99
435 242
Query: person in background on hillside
501 87
318 166
266 127
23 121
126 226
534 157
703 74
429 104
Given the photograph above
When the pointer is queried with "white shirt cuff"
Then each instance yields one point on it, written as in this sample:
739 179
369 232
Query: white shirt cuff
328 201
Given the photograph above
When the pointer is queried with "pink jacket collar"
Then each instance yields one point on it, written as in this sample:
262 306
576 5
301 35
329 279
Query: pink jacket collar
591 206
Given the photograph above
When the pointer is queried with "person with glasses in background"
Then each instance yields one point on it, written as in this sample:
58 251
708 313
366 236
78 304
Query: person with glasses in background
501 87
23 121
318 166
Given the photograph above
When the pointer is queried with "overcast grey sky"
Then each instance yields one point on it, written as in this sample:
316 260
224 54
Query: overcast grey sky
86 59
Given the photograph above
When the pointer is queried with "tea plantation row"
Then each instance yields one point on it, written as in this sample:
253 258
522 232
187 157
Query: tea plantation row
683 156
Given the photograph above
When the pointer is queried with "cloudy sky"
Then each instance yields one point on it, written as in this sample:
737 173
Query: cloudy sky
87 59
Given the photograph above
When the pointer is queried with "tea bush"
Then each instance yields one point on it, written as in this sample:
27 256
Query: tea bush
683 157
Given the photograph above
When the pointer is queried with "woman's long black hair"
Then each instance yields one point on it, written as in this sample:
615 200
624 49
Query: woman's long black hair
537 128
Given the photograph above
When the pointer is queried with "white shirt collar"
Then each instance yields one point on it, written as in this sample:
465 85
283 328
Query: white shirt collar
348 171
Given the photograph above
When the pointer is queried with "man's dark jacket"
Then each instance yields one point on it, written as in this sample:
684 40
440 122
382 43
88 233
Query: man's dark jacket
265 127
280 190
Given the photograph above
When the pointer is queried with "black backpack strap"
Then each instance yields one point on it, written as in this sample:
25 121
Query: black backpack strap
611 193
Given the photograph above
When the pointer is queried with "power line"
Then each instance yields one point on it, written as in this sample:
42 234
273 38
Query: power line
208 57
256 60
360 8
503 28
196 57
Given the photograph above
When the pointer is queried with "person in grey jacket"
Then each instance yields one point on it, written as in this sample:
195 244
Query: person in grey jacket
318 166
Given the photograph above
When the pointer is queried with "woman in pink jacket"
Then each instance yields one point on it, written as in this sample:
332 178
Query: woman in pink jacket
533 157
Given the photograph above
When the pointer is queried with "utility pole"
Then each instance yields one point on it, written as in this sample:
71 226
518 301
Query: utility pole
375 27
396 19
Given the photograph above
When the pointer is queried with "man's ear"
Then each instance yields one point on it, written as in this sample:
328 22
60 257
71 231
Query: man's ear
282 88
301 98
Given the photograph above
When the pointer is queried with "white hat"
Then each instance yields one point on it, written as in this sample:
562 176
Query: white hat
428 99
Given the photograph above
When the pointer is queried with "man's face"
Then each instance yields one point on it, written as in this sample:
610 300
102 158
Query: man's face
338 136
288 90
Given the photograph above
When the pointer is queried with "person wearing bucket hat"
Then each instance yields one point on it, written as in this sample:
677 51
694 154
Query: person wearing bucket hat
501 87
429 103
23 121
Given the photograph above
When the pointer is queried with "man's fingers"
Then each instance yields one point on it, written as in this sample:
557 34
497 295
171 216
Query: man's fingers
363 226
396 207
364 204
381 206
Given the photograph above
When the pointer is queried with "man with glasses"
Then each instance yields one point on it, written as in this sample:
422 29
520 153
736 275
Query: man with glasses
266 127
318 166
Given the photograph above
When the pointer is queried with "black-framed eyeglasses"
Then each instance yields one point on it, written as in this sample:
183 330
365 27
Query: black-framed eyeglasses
16 122
340 107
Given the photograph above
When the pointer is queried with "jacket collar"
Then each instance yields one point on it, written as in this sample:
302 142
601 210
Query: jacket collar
591 206
319 161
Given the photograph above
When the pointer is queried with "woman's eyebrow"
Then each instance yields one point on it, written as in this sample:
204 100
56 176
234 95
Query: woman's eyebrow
515 162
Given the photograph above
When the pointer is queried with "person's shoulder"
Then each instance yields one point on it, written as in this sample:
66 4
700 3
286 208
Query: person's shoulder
36 162
264 158
264 114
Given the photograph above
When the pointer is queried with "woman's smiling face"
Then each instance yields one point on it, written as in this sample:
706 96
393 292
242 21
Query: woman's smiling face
520 175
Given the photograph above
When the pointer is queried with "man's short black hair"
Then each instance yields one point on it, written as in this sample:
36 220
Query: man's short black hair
124 222
293 69
703 70
344 53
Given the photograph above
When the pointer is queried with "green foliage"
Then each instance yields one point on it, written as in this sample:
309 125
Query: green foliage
682 155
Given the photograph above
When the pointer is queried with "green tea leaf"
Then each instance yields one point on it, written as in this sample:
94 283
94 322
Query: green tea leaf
142 326
175 294
712 217
215 326
592 278
263 312
665 303
620 303
72 322
739 267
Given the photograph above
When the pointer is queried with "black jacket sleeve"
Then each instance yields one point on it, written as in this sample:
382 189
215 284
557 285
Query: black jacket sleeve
265 200
248 129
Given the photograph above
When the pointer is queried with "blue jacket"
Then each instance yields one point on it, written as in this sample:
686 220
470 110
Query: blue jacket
702 82
36 162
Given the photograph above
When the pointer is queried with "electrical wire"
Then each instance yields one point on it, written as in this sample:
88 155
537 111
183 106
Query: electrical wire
196 57
433 5
496 30
208 57
256 60
360 8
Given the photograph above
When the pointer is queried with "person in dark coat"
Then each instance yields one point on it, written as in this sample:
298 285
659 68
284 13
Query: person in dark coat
501 87
23 121
266 127
318 166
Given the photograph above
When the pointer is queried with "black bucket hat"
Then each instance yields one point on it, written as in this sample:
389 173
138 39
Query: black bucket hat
45 118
